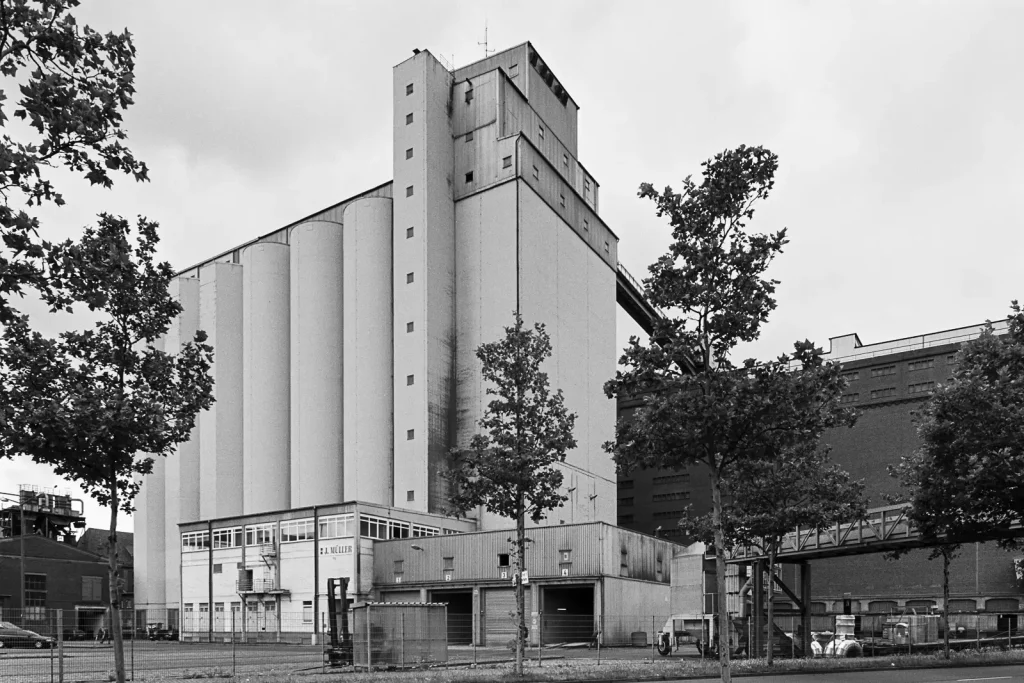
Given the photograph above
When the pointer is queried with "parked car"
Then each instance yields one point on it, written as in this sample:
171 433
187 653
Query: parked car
13 636
75 634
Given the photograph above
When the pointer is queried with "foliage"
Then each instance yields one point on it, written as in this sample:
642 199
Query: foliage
98 405
698 407
510 466
965 483
74 85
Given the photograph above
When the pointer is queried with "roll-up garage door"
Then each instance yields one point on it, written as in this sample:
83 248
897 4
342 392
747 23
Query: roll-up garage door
400 596
499 615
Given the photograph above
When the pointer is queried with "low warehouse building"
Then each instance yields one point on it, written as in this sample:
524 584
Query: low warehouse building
581 580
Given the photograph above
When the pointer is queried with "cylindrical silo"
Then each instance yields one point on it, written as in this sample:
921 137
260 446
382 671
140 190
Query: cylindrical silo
150 515
220 427
368 350
181 475
265 377
316 357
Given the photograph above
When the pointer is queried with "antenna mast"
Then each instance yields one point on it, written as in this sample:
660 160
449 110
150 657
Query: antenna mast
487 52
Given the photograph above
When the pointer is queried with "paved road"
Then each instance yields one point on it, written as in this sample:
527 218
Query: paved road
973 674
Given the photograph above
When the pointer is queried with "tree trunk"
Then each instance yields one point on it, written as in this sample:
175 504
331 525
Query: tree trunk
771 603
945 602
723 614
115 588
521 632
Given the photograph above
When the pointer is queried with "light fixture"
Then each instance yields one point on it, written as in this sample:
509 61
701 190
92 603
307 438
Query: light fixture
416 547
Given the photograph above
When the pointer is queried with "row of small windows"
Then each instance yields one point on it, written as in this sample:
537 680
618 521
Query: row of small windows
883 371
626 502
921 364
296 530
883 393
674 495
626 484
920 387
672 479
849 398
852 376
676 514
887 370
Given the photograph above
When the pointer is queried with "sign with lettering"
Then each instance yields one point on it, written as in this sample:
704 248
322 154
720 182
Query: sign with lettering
340 549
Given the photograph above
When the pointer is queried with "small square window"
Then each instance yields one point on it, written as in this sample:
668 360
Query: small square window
469 95
409 232
410 380
586 185
408 191
408 89
540 128
506 162
409 327
503 559
513 71
565 159
408 153
218 569
409 277
586 225
410 496
536 173
410 434
469 177
561 200
408 118
469 136
607 247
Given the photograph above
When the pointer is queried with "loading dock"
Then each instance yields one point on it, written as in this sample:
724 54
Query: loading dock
460 614
567 614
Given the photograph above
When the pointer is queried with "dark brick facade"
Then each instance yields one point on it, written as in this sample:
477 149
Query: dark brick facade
886 389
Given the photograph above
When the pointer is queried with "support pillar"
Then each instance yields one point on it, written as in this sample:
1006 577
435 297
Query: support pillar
805 607
757 610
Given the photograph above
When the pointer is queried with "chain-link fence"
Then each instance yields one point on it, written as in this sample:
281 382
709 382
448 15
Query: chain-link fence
71 646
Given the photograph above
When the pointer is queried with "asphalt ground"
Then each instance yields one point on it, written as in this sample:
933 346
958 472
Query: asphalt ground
976 674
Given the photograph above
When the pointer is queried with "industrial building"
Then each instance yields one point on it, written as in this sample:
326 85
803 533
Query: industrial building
345 342
888 381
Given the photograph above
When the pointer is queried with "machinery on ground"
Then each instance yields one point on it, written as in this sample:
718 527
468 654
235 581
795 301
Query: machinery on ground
340 652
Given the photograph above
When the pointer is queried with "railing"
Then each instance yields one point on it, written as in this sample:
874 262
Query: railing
923 341
256 586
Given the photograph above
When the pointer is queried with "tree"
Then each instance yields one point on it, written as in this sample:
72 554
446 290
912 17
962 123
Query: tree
510 467
99 405
699 407
767 499
74 84
966 481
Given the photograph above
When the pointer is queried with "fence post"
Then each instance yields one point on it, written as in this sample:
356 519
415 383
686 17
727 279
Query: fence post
476 634
403 640
60 646
977 632
600 635
369 653
540 639
233 671
51 647
135 634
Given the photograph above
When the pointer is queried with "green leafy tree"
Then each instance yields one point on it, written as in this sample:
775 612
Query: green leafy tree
98 405
74 84
510 467
966 481
699 407
801 486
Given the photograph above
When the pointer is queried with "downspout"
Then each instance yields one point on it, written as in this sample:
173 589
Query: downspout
316 574
209 575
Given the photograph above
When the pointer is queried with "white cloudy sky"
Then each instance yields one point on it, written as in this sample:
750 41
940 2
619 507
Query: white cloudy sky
898 126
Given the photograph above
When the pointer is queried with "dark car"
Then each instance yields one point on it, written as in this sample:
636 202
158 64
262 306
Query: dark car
13 636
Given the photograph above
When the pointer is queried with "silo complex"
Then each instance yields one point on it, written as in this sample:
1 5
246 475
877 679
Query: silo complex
316 363
266 382
220 429
368 356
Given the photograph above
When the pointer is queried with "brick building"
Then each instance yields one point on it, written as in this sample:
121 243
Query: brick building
888 381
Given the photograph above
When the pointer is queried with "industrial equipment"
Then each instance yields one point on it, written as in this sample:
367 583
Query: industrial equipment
340 652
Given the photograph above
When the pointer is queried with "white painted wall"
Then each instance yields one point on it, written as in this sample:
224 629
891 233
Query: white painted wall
316 364
266 380
368 351
220 428
181 473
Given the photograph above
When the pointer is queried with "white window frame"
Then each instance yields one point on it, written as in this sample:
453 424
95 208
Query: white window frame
297 530
337 526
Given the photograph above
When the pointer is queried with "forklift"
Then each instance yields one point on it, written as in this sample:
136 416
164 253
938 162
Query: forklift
340 652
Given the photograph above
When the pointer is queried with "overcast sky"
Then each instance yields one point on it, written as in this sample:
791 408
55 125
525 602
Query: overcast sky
898 127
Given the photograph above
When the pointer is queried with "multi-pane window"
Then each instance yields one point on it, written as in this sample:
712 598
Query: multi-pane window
336 526
920 387
849 398
421 530
625 519
672 479
626 501
883 393
227 538
674 495
851 376
625 484
448 532
883 371
307 611
35 597
373 527
398 529
925 364
261 534
678 514
193 541
295 530
92 588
